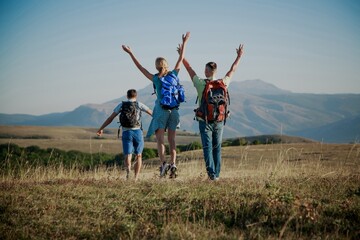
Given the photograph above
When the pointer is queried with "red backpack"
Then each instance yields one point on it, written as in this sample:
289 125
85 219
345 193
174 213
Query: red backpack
214 102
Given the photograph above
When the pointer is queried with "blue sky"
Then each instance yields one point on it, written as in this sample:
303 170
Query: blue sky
57 55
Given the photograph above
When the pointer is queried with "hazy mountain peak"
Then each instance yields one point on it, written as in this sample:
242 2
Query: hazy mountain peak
257 87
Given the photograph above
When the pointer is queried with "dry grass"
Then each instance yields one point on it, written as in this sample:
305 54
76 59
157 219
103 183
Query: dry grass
289 191
260 161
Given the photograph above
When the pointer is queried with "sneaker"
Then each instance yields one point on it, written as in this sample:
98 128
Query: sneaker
213 178
173 170
164 168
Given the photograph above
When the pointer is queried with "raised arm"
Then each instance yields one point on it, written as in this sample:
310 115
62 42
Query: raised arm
187 66
233 67
181 50
189 69
137 63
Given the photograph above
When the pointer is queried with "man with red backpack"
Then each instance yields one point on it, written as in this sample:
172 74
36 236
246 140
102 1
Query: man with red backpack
212 111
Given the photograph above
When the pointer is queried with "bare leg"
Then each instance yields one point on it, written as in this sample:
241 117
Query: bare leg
160 144
172 145
137 166
128 164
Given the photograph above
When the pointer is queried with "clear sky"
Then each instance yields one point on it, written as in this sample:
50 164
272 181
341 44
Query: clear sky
56 55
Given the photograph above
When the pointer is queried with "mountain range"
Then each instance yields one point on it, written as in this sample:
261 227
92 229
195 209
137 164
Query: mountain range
256 107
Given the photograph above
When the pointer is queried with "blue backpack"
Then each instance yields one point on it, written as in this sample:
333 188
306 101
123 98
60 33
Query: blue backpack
172 93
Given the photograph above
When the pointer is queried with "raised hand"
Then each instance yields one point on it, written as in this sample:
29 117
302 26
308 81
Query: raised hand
240 50
126 49
179 48
186 37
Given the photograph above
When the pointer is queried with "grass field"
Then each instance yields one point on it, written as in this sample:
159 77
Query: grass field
74 138
276 191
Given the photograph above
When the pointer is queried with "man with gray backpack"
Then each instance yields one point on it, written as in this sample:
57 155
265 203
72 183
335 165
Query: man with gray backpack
132 135
212 111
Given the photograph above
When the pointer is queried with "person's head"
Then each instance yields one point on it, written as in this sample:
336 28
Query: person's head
161 65
131 93
210 69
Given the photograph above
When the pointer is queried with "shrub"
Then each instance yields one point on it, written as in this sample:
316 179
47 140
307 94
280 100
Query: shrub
149 153
194 146
9 149
35 156
191 146
118 160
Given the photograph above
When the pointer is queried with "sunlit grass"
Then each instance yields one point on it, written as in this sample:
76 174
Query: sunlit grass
294 191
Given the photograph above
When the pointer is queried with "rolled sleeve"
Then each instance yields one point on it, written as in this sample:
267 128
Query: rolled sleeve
118 108
226 81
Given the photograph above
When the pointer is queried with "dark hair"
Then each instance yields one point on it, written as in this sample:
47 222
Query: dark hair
131 93
211 65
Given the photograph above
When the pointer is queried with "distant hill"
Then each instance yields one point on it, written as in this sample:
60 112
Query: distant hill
343 131
257 108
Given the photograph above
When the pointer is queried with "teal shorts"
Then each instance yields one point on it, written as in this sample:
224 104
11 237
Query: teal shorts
163 119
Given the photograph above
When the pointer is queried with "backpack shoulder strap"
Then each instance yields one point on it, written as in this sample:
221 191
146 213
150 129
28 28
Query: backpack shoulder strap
122 104
154 89
207 81
156 74
227 91
197 97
